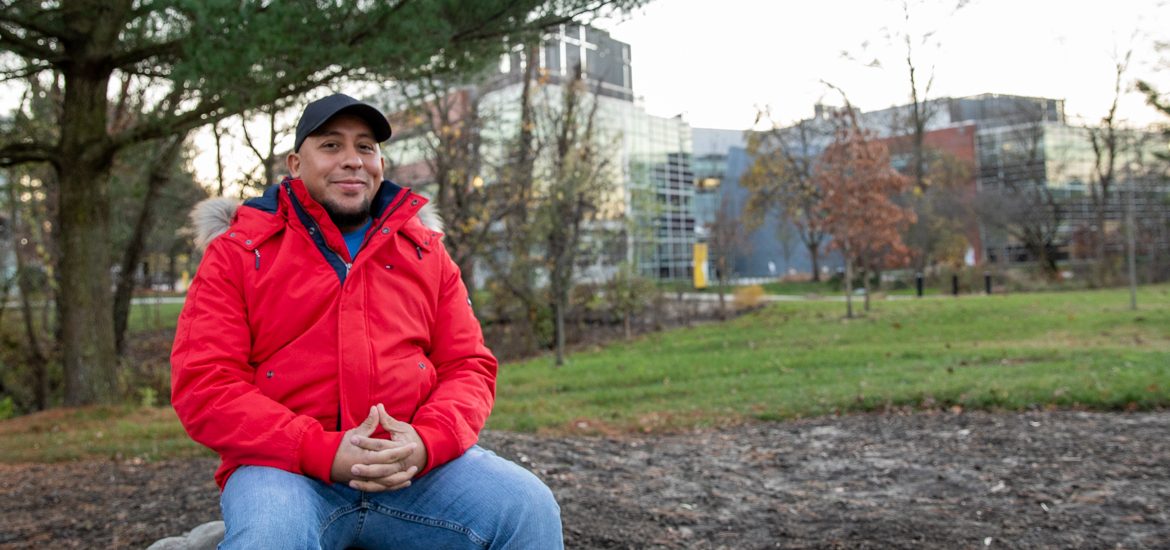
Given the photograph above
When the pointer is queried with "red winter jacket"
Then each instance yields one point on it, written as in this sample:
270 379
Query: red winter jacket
285 342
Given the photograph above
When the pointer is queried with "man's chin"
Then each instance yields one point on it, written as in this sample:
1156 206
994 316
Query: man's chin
348 216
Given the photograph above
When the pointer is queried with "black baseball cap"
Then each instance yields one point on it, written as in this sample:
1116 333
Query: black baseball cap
319 112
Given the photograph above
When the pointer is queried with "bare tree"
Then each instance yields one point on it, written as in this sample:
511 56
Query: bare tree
727 239
158 176
1014 195
447 118
780 181
575 181
1107 144
513 263
267 157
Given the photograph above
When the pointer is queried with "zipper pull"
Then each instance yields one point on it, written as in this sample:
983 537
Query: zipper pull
257 251
418 249
347 266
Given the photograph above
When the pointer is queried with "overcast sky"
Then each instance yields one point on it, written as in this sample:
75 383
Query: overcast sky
716 62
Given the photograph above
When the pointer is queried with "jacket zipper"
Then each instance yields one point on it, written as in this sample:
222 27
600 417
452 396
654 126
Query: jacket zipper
385 217
257 251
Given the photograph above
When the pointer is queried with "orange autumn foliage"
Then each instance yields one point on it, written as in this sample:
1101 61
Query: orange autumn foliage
858 187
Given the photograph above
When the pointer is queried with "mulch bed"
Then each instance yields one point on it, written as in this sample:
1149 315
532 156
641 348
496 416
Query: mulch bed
920 480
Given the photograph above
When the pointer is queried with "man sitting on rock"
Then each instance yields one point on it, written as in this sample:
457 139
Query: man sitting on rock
329 353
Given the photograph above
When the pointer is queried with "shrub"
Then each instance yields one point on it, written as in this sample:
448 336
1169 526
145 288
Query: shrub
747 297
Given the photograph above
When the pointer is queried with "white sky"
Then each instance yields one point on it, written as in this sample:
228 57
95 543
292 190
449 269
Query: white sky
716 61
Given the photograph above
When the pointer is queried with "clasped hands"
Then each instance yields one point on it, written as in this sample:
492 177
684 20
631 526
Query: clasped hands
373 464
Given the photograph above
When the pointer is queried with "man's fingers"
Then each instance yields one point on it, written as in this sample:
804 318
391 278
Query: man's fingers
374 487
373 444
392 482
386 474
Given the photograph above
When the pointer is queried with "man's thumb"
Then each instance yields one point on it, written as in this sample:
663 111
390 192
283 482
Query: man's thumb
369 424
389 423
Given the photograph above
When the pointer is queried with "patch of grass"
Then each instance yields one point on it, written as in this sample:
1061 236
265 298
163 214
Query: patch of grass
788 360
110 432
1076 349
153 315
801 288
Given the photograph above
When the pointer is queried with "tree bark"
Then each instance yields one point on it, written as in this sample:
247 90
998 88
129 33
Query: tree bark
84 305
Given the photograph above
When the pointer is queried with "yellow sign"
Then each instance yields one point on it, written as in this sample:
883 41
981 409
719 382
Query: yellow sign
700 266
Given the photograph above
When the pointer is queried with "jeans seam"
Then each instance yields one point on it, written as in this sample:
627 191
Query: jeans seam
432 522
336 515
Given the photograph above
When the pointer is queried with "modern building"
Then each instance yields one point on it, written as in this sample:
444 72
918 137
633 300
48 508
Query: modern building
771 250
649 206
1004 142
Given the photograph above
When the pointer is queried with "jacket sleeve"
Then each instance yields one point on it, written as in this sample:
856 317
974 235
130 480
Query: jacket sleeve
212 387
450 419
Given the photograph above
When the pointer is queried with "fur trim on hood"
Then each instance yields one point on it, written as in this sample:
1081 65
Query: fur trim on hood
212 217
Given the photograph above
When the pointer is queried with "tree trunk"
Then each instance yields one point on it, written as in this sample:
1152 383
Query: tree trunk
160 175
722 289
84 305
37 362
865 285
559 312
814 255
848 287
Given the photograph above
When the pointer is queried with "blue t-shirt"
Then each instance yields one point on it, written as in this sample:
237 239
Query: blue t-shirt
353 239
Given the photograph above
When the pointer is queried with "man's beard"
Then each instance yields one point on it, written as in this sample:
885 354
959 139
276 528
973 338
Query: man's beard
345 219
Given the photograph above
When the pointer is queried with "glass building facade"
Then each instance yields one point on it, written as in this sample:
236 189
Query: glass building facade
1061 158
646 216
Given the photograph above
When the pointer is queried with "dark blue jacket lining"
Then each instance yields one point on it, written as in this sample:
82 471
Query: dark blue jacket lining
268 202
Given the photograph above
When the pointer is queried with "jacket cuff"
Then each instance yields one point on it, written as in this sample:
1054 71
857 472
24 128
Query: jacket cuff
441 446
318 448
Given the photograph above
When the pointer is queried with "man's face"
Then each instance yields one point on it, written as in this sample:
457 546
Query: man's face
341 166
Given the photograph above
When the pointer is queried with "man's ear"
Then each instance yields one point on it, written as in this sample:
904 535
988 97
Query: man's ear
293 161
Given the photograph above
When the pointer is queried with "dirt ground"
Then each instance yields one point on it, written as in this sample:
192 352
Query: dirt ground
922 480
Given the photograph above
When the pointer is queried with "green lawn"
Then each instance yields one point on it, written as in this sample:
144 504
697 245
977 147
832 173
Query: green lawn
150 315
1076 349
797 359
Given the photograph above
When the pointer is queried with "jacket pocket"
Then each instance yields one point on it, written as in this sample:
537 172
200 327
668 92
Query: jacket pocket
404 383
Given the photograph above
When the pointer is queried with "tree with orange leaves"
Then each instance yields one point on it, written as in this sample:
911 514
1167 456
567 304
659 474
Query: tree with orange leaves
858 186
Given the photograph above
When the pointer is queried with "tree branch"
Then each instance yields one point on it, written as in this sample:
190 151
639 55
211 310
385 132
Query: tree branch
212 110
32 23
14 154
129 58
20 74
26 48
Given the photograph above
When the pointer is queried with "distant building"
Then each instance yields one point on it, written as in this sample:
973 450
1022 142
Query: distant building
1006 141
770 251
651 206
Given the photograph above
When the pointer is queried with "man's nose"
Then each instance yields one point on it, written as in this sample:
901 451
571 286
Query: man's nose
352 160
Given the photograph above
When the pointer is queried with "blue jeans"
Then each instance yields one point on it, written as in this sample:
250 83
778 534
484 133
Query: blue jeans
478 500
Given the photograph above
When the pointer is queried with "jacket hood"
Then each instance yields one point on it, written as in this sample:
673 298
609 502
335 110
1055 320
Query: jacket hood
212 217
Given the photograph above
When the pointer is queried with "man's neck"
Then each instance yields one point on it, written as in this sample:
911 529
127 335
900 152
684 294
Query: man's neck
354 228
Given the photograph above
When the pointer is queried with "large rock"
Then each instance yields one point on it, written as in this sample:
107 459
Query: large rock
204 537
